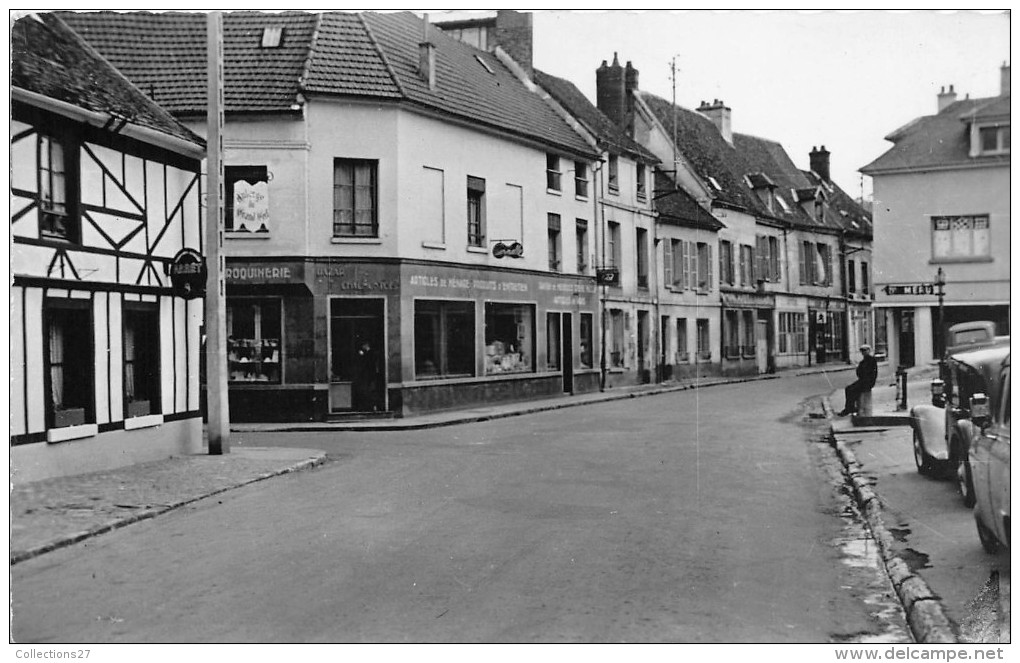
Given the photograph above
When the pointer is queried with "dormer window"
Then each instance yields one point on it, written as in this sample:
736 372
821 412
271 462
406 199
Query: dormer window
783 204
993 140
272 36
714 183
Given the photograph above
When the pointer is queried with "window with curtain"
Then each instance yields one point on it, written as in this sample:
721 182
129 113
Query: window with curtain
354 198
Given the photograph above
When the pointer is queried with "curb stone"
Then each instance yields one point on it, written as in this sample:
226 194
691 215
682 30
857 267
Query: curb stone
117 523
925 614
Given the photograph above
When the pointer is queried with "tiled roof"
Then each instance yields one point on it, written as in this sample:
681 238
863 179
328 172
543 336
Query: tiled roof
367 55
940 140
165 55
49 59
677 207
470 83
610 137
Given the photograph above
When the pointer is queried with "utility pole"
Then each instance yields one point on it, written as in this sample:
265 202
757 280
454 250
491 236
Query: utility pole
215 296
940 283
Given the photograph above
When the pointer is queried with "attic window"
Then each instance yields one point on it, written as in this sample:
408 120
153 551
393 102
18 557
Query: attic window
484 64
782 203
714 183
272 36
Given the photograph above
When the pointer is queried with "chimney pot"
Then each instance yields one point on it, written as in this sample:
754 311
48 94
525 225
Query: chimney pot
945 99
819 159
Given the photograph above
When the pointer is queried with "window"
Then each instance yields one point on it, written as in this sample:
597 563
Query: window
823 272
553 349
865 285
246 199
679 251
69 362
587 334
960 237
642 187
272 36
726 262
582 246
475 211
614 174
835 328
613 236
731 333
808 264
851 276
747 341
792 333
509 338
642 257
553 176
704 267
580 179
444 339
773 271
993 139
617 331
681 340
354 198
56 188
881 330
253 340
554 242
141 360
746 265
704 341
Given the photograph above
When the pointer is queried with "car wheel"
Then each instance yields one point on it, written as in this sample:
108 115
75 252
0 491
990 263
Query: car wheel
988 540
964 480
925 463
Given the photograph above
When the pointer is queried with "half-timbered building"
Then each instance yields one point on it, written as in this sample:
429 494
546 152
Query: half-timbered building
105 194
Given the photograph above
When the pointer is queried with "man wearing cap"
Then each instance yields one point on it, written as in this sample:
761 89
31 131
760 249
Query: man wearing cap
867 373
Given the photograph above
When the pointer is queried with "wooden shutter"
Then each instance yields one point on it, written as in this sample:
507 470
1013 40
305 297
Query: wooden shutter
708 271
690 262
667 261
803 263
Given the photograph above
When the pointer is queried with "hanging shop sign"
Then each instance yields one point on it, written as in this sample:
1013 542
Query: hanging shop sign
188 273
607 276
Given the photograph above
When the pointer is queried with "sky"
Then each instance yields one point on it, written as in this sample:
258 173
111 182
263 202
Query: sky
840 79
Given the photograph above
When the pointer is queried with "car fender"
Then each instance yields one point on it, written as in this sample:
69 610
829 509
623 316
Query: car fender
967 432
929 422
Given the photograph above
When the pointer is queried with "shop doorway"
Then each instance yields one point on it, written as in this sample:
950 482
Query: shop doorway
906 328
642 346
568 354
761 345
357 343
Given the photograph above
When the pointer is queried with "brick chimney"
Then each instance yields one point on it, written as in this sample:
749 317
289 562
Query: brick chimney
427 55
514 35
611 91
1004 80
946 98
820 162
720 114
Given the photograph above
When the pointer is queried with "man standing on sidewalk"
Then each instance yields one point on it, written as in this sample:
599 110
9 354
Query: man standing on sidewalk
867 373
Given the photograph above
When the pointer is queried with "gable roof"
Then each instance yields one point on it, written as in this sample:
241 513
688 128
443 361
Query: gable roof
609 136
941 140
49 59
678 207
366 55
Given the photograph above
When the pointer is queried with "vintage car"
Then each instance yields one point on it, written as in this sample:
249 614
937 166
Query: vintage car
989 460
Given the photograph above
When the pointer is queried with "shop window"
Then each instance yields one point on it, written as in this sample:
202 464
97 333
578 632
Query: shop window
836 325
555 249
553 347
704 340
617 325
355 195
553 176
254 350
586 334
747 343
580 179
57 188
732 334
69 363
582 246
475 211
681 341
444 339
792 333
141 360
509 338
246 199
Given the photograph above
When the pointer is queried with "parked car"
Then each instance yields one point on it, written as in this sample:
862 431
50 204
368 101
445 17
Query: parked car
968 374
989 460
964 336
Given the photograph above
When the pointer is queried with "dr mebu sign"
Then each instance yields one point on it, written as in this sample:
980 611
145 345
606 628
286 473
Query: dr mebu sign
188 272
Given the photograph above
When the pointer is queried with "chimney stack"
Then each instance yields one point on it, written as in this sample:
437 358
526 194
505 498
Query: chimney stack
1004 80
720 114
427 55
820 162
611 91
514 35
946 99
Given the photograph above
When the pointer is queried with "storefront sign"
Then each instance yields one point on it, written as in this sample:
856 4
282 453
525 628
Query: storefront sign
188 273
251 206
560 292
256 273
747 300
355 278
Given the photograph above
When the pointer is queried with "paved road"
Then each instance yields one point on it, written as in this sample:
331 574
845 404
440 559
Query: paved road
699 516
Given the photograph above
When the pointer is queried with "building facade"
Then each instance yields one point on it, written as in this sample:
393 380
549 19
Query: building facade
105 202
942 202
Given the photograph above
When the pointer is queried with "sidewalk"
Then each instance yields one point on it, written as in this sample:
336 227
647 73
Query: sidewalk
50 514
